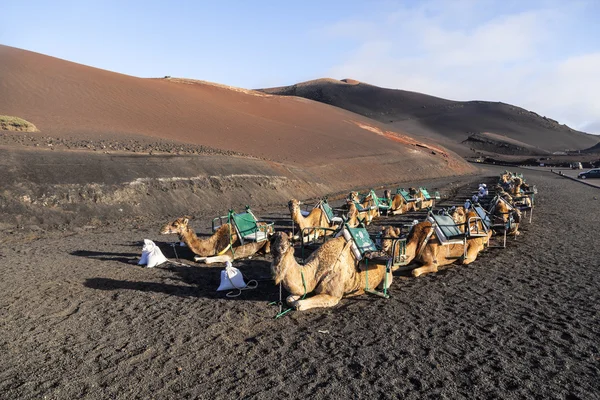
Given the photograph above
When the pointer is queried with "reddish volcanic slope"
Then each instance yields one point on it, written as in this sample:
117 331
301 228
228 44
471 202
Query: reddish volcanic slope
69 100
450 122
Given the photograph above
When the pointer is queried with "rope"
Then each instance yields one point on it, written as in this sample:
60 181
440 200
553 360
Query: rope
280 303
177 257
230 234
248 287
226 248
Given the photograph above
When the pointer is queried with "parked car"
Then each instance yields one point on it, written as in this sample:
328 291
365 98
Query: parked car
592 173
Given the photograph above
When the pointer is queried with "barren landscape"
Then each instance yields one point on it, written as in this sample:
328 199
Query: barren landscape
94 162
81 320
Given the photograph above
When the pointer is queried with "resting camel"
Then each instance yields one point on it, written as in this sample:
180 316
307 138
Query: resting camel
460 216
331 272
354 217
423 246
368 215
502 211
516 192
316 218
217 248
424 202
398 204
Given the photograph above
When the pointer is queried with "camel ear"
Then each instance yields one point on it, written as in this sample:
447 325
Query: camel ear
186 219
397 230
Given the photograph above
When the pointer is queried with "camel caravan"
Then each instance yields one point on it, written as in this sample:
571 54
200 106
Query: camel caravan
348 259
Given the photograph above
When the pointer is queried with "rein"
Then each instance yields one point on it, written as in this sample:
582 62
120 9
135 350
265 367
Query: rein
424 244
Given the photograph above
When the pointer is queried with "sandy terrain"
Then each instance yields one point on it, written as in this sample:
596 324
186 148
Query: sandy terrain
571 173
80 320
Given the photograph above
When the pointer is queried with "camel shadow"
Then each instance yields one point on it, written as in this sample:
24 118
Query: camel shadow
125 258
198 282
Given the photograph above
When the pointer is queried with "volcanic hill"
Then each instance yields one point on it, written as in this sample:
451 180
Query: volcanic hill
152 145
450 122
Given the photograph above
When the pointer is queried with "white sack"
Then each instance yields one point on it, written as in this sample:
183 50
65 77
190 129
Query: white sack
231 278
151 255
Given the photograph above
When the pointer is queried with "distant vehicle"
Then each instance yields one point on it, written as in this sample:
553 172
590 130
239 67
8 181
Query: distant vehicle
592 173
576 165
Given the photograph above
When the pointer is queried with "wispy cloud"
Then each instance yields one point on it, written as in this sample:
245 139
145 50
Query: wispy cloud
474 50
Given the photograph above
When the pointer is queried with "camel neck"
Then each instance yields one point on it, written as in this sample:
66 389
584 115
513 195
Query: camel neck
187 235
293 275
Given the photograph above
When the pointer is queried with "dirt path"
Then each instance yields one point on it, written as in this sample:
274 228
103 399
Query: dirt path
78 319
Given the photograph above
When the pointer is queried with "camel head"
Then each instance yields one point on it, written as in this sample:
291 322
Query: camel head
388 235
280 245
294 205
353 196
507 197
459 215
518 181
516 214
387 194
412 191
178 226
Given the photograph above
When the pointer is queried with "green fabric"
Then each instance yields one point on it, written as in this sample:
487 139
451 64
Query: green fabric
247 226
483 215
327 210
382 204
360 207
245 223
362 240
448 226
404 194
425 193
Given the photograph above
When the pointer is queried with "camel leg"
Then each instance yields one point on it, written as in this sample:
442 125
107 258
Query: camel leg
292 298
214 260
267 248
425 269
390 278
358 292
397 212
319 300
472 252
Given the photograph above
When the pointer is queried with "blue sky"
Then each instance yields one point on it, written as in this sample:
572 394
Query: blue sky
543 55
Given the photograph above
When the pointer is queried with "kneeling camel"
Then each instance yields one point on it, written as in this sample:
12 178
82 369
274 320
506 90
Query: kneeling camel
331 272
424 247
316 219
218 248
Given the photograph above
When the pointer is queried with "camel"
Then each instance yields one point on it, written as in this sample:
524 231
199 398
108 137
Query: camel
503 211
331 272
398 204
316 218
219 247
461 217
517 193
423 246
371 211
354 217
422 200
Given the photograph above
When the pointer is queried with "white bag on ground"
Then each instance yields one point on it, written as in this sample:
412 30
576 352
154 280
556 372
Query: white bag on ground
231 278
151 255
